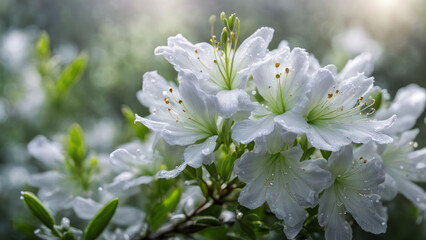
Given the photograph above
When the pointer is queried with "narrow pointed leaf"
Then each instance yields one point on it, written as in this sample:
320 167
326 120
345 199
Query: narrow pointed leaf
37 208
98 224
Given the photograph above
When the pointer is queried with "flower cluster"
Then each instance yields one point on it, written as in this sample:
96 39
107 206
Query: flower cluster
294 102
267 129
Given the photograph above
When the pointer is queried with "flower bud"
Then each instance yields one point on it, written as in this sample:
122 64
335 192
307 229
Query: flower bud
224 37
223 19
231 21
212 19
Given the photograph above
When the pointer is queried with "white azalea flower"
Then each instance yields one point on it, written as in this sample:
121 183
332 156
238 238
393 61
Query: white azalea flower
404 166
336 114
185 116
54 186
282 80
57 185
408 105
356 181
138 164
287 184
222 70
86 208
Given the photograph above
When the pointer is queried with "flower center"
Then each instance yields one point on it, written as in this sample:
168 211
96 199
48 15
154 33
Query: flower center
182 114
328 111
277 97
224 71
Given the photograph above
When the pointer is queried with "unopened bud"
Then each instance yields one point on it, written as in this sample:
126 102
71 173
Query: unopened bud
223 19
231 21
212 19
224 37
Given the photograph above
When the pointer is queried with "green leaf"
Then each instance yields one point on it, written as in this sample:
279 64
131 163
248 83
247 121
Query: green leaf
37 208
160 211
212 170
100 221
214 211
207 220
43 46
326 154
71 74
203 187
217 232
139 129
75 144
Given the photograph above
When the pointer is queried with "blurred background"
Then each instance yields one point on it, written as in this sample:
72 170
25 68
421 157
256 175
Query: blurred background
119 37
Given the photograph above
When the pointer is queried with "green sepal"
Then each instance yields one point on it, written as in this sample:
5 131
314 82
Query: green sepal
326 154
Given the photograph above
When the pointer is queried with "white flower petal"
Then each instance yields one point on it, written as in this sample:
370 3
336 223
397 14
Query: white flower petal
275 141
181 53
49 153
288 183
229 102
254 47
408 105
194 156
362 63
86 208
322 83
331 216
172 173
151 94
282 94
172 134
413 192
248 130
388 190
137 181
126 161
48 179
340 161
127 216
198 154
367 211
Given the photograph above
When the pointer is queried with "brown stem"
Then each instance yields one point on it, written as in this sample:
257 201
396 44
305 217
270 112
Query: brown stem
162 233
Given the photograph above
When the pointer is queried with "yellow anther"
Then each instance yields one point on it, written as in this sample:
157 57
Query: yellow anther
287 70
277 64
166 100
330 95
